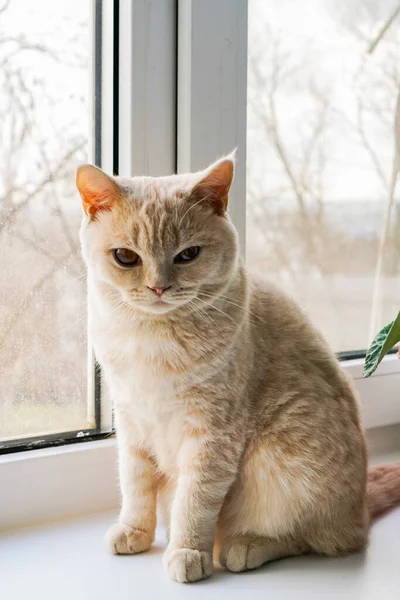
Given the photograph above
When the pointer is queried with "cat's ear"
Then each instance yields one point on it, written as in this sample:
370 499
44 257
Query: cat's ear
98 191
214 187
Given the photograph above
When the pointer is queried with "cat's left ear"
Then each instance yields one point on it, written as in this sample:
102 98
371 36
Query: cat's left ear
98 191
214 187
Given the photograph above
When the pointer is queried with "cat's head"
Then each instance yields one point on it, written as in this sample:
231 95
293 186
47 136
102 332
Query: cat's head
159 243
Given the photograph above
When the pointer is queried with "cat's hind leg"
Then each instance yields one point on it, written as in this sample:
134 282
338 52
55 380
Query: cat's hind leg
260 517
244 552
281 506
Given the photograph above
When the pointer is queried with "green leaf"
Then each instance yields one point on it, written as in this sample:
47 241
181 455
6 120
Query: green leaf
388 337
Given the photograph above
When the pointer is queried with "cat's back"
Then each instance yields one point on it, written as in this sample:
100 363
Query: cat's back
288 345
280 316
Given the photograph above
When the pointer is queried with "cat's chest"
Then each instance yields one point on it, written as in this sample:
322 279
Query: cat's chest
165 439
159 425
151 362
150 375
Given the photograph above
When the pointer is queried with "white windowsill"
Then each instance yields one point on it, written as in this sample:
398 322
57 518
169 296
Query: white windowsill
56 483
48 485
379 394
69 561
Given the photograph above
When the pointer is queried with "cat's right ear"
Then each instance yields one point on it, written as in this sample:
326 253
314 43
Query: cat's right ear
98 191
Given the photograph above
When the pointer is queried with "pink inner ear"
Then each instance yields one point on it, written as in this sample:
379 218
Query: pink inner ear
94 201
215 186
98 191
223 175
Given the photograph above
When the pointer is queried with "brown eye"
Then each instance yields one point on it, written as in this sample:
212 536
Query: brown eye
126 257
187 255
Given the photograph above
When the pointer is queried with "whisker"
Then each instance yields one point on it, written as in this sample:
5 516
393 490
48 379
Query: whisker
229 301
220 311
203 312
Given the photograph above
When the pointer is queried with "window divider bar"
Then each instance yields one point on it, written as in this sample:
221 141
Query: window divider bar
212 91
147 87
104 154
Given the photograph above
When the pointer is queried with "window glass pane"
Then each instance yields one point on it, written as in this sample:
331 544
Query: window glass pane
44 117
323 215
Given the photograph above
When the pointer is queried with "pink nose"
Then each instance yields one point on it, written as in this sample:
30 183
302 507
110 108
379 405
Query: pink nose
159 290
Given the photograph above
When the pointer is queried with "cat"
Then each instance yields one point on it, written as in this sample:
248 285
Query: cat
232 414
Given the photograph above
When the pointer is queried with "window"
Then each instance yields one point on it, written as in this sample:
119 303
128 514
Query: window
46 121
61 96
323 213
142 87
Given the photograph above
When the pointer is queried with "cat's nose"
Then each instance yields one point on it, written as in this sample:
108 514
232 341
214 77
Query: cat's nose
158 290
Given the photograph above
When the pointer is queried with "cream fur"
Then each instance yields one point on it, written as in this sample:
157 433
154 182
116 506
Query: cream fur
231 412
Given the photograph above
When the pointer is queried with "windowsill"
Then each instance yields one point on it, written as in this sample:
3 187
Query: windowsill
52 484
70 561
378 394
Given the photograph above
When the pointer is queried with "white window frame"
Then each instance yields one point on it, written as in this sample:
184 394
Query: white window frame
210 67
212 92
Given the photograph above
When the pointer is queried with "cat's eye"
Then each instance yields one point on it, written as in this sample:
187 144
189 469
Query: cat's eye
187 255
126 257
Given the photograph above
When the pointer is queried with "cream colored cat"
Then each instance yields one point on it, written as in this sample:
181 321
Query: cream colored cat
231 411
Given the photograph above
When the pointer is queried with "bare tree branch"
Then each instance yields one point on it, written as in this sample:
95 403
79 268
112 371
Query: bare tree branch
7 219
272 126
372 47
24 305
55 198
374 157
5 6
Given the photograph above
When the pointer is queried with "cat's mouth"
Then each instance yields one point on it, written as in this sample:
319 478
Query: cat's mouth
161 306
158 305
166 303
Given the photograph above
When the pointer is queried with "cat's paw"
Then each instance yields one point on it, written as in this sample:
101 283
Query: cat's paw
241 553
186 566
123 539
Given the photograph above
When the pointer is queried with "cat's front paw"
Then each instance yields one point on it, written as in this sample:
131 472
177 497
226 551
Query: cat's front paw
186 566
123 539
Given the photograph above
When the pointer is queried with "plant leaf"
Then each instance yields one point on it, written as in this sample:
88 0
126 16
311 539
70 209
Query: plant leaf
382 344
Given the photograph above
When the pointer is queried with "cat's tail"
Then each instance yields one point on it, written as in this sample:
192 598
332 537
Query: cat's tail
383 489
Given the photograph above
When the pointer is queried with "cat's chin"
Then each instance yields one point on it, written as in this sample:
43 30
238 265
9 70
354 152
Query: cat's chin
158 308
